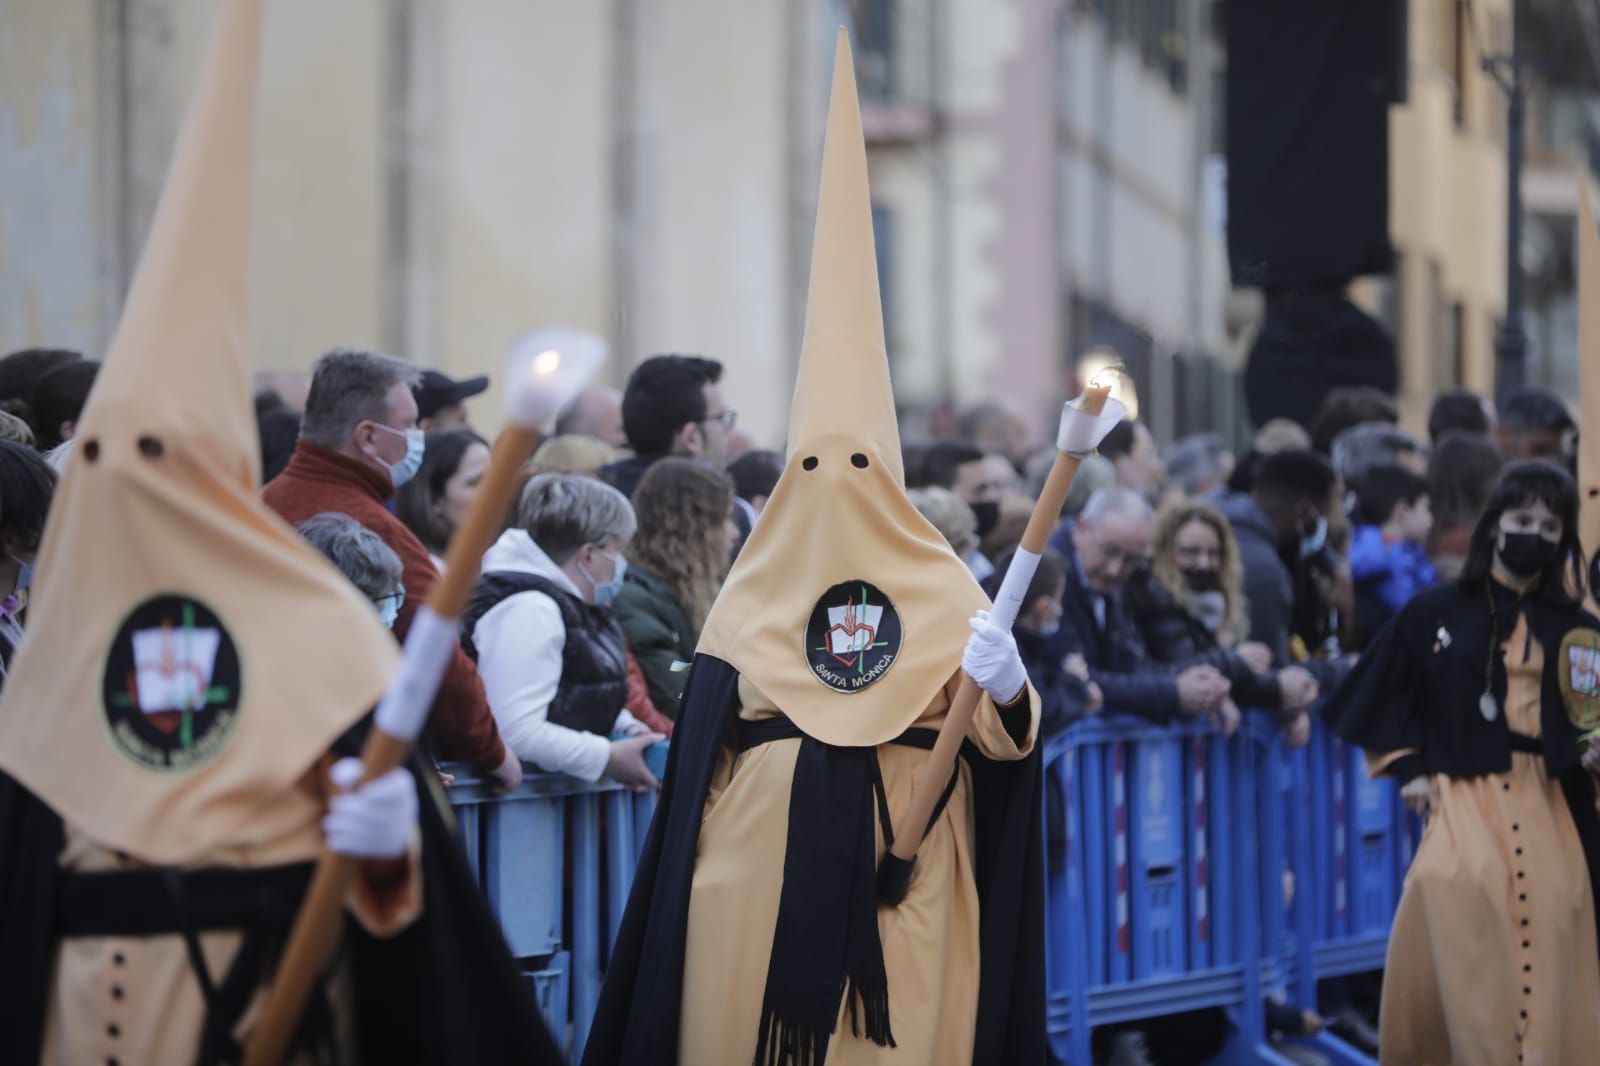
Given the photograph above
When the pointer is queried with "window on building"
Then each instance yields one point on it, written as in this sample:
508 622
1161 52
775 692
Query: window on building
873 41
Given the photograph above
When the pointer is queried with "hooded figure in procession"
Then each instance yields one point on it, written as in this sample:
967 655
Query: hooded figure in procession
755 932
172 727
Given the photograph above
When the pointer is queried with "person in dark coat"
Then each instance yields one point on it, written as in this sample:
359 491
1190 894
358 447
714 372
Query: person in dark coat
1102 549
676 563
1281 523
672 405
1189 608
1066 694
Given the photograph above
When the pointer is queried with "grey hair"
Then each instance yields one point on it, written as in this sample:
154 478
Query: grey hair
1370 444
1107 502
563 512
357 552
950 515
1196 460
350 386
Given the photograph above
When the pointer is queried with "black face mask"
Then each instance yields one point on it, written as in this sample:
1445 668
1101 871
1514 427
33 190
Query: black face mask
1527 555
1203 580
988 516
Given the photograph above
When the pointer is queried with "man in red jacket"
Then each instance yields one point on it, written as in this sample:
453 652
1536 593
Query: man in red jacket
358 443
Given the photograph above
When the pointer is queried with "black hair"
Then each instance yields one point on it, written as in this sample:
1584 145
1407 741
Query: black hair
1522 484
1350 406
278 430
665 393
1385 487
1052 571
1243 478
914 458
756 473
1461 474
1535 410
1294 476
416 502
1456 410
21 370
941 461
27 485
58 397
1119 441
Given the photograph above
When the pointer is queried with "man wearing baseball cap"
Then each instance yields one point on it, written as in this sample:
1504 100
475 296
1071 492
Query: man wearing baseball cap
441 400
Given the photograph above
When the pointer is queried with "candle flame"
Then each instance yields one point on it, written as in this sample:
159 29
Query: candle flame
546 362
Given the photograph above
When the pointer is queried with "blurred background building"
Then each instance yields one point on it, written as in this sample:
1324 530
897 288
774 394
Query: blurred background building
1049 176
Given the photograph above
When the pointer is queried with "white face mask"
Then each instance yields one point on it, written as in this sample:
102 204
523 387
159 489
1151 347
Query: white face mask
416 445
606 593
389 607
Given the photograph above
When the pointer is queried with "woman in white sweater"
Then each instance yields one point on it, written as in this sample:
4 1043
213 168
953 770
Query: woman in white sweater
549 649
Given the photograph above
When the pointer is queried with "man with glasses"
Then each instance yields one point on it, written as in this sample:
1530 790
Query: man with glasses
672 405
1104 547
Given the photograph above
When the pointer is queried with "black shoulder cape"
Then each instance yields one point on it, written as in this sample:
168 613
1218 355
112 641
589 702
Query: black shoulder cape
640 1005
445 990
1417 685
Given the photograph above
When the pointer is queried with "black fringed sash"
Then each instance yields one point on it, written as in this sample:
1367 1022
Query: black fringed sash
825 944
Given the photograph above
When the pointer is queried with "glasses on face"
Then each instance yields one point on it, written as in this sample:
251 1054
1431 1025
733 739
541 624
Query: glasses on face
726 417
397 597
1114 555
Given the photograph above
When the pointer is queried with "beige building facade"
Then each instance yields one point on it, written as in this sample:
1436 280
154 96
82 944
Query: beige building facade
436 176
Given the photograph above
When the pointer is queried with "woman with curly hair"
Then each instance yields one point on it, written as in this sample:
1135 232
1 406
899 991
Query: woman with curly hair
676 564
1190 608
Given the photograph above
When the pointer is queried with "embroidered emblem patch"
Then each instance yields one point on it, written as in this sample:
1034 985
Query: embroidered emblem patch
853 637
171 687
1580 677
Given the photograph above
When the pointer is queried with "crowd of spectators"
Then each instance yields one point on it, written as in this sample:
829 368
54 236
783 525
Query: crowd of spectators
1186 580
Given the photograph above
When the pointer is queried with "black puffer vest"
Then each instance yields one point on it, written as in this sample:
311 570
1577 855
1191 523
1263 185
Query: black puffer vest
594 658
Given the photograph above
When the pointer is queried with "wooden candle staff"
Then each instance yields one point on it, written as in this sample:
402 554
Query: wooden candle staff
1084 423
548 368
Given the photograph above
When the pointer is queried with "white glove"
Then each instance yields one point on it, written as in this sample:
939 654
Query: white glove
993 661
375 821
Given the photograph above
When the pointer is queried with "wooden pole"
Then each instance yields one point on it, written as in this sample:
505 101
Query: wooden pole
942 759
316 930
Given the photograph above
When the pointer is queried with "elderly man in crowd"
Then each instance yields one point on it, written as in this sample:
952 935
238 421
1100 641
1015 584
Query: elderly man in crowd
1102 548
359 442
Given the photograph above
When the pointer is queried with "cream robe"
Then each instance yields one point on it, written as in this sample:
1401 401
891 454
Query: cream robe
1492 956
135 1000
930 941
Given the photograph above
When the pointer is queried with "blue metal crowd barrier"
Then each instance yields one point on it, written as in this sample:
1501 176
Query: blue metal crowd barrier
555 858
1165 893
1166 881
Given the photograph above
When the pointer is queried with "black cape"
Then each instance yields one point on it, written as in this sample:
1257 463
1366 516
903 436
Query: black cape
641 1003
1417 685
445 990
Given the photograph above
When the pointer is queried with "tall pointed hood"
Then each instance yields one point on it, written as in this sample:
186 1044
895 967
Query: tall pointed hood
187 656
1589 372
846 607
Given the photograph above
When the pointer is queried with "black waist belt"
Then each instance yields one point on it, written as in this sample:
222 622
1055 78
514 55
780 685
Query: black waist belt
260 903
766 730
1523 742
144 903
